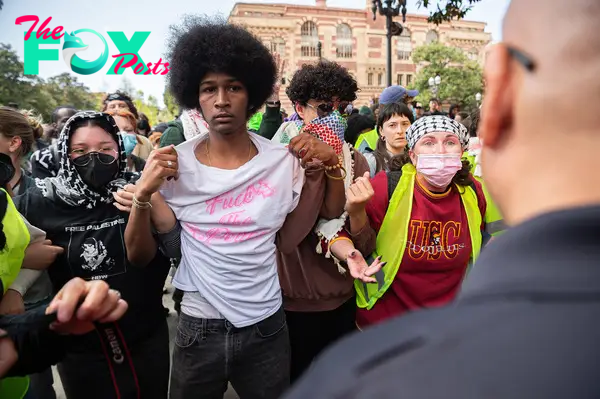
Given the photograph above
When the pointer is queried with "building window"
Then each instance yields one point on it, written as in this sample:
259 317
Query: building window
343 41
278 46
370 79
399 79
380 79
432 37
404 47
408 80
309 38
473 54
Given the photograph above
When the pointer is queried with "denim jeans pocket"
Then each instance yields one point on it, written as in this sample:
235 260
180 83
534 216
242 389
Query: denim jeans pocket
187 334
272 325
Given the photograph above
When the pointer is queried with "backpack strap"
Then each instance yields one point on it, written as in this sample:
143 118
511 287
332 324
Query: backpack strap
393 177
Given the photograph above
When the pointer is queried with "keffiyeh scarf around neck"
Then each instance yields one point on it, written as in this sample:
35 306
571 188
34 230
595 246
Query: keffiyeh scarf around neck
68 185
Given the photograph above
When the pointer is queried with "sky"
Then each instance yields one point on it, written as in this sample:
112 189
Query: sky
130 16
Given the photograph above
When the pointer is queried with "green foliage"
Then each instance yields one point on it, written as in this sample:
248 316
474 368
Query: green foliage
33 92
461 77
453 9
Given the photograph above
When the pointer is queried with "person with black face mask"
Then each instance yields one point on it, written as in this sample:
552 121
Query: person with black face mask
76 209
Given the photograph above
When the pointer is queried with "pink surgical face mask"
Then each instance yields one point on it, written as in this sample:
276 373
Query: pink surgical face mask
439 169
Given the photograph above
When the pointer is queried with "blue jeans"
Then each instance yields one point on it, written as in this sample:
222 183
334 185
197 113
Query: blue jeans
209 353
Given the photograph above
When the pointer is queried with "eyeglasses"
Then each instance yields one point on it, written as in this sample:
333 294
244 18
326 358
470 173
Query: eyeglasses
323 109
522 58
105 158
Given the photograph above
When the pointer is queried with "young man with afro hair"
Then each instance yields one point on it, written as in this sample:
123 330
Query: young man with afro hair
238 197
318 290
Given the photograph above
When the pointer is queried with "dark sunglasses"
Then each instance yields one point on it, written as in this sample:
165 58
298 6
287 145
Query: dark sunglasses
322 109
522 58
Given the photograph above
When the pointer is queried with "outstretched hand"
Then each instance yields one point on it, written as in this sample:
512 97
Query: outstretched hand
360 270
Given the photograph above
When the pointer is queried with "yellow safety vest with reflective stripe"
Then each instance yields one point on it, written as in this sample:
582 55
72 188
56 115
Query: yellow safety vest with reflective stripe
370 139
393 235
17 240
494 222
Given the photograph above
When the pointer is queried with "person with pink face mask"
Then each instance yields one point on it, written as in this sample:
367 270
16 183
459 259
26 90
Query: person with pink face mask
424 219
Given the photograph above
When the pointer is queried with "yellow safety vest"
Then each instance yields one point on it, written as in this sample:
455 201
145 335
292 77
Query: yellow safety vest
17 240
370 137
393 235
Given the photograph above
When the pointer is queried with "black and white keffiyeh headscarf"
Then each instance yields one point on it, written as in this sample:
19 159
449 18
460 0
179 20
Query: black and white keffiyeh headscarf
436 123
68 185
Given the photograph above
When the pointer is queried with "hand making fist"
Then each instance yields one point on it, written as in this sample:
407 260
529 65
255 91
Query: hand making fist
307 147
358 194
161 164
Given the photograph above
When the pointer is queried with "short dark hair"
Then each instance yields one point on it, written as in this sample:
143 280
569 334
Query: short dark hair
356 125
435 100
54 116
202 45
322 81
389 110
161 127
143 125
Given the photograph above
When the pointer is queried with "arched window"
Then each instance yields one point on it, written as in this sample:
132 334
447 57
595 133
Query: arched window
432 37
404 47
309 38
343 41
278 46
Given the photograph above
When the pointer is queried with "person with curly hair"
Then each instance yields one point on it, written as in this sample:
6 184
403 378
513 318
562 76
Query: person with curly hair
119 100
238 198
318 290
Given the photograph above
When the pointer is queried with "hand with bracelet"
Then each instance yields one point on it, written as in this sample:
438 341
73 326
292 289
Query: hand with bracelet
307 148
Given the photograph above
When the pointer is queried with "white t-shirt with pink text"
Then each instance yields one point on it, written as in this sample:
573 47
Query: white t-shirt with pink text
229 219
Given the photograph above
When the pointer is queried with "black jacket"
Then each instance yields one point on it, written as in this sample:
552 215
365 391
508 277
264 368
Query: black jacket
38 346
525 326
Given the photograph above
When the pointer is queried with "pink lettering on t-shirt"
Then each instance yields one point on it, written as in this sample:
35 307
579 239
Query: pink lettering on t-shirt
235 218
221 233
247 196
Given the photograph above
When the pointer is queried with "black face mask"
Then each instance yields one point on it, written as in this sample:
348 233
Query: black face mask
96 169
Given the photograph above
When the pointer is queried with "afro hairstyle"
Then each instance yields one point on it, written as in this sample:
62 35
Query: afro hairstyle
202 44
322 81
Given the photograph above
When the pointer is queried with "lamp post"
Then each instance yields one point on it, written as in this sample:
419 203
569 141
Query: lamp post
390 9
434 85
478 99
319 47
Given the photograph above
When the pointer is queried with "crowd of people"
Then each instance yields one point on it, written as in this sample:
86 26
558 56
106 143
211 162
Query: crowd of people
291 233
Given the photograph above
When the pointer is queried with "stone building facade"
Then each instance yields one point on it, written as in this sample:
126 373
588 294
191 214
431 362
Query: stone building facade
353 39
